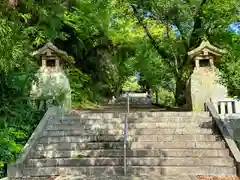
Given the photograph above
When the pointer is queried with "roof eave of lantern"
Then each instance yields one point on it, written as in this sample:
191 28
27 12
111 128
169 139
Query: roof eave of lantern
49 46
206 46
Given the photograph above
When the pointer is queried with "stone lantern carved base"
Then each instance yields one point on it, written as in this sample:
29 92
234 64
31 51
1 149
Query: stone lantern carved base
202 86
52 84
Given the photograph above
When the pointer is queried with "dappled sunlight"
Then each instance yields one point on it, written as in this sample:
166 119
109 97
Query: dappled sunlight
158 143
91 144
176 48
99 146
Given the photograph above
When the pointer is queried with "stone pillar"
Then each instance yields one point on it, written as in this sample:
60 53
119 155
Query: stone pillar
211 62
197 65
57 62
44 62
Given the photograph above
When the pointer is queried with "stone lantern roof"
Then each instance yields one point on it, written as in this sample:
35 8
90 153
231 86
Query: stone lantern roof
48 49
206 49
51 56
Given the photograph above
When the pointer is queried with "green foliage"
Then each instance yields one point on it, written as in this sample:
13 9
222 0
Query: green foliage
230 68
165 97
78 82
192 20
131 84
43 20
110 41
13 47
17 122
87 13
154 69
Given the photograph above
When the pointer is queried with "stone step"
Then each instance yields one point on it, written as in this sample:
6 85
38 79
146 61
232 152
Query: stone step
130 125
146 177
132 153
131 132
142 114
136 161
76 119
133 145
84 177
139 138
179 144
119 132
133 170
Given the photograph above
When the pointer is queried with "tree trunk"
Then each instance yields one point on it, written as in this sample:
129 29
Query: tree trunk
180 92
156 91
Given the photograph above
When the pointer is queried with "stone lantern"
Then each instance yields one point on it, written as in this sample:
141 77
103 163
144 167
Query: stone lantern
51 81
203 84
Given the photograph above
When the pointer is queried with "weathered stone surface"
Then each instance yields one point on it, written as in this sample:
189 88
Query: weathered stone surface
202 86
136 138
118 132
91 146
132 153
218 178
141 114
133 170
129 177
116 125
225 132
136 161
135 100
131 145
51 80
188 119
175 170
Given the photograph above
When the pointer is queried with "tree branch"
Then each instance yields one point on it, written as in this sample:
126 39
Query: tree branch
177 24
146 30
185 41
194 35
197 23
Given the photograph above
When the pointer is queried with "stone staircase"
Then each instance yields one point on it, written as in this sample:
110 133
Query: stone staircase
161 145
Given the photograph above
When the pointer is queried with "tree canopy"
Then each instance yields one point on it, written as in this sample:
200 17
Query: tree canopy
110 41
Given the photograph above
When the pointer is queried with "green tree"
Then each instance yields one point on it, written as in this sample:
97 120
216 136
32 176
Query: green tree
192 20
229 66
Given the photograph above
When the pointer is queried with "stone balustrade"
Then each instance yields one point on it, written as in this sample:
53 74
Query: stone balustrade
227 106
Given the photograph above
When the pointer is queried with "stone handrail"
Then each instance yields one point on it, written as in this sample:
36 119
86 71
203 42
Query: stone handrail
125 137
226 106
225 133
15 170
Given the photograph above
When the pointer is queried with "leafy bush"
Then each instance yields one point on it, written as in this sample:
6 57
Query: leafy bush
165 97
131 84
17 123
81 91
